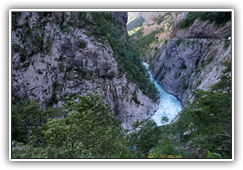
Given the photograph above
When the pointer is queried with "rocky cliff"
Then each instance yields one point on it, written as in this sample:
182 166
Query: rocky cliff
185 65
193 59
55 55
187 49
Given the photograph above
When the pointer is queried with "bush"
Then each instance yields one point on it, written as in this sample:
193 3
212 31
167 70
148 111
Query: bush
82 43
135 97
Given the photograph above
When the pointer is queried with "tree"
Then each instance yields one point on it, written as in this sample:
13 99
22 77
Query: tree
90 127
141 141
208 118
27 119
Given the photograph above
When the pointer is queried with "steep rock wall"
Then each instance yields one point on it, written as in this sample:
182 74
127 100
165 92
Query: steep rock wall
182 66
184 60
54 56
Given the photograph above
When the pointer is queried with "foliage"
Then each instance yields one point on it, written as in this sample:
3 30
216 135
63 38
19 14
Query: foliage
143 43
89 123
164 119
220 18
163 148
135 32
141 141
153 155
28 120
227 42
207 120
213 155
28 151
90 130
135 97
81 43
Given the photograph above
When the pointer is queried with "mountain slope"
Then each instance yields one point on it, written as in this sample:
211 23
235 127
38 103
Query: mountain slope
185 49
60 54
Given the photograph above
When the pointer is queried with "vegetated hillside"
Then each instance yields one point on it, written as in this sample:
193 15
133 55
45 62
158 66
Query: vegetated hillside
132 16
61 54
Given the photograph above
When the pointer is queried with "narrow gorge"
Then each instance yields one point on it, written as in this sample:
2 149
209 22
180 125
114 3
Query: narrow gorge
185 50
82 82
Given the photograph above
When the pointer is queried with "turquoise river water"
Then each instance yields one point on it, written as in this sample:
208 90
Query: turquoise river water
169 105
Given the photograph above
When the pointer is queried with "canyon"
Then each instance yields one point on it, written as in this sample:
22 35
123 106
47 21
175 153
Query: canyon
187 59
59 54
121 84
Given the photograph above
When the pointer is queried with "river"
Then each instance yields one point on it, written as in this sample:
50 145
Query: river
169 105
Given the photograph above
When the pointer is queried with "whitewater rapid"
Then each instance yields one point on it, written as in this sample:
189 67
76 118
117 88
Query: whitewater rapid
169 105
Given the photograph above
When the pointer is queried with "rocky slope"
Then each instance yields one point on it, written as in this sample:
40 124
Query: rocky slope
192 60
55 55
158 26
185 59
185 65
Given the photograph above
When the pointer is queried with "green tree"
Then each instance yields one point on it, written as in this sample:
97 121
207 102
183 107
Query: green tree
141 141
90 126
27 119
207 120
163 148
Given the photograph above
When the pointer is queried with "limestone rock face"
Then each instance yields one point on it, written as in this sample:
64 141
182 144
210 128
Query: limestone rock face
205 29
54 57
184 60
182 66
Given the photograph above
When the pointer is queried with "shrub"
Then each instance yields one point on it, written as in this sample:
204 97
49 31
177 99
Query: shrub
226 43
135 97
179 41
81 43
